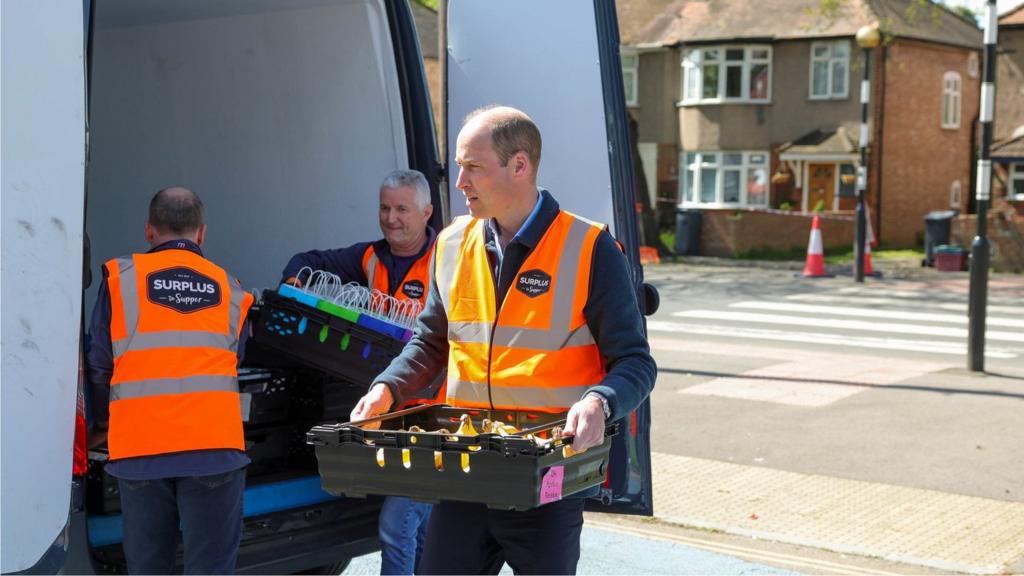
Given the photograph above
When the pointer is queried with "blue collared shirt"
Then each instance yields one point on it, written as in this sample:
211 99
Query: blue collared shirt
493 226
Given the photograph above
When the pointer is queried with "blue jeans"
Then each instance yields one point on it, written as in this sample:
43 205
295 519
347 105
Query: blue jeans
403 527
208 509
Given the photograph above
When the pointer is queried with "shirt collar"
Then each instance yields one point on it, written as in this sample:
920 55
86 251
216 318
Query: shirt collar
178 244
531 230
382 248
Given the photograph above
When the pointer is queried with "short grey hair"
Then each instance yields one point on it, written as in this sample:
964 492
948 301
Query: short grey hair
413 179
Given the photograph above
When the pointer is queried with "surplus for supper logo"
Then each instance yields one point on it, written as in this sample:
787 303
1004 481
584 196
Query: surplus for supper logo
413 289
533 283
182 289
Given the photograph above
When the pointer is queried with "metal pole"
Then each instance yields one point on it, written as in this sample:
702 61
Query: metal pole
862 170
978 300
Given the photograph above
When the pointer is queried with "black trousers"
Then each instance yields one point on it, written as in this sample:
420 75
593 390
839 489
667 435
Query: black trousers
470 539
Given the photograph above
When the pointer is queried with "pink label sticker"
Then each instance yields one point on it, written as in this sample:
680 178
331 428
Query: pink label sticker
551 484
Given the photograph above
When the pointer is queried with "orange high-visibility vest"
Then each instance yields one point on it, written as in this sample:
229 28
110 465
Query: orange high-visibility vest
415 284
174 326
537 352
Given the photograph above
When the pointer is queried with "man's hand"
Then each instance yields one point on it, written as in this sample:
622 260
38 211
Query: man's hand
376 402
294 282
586 422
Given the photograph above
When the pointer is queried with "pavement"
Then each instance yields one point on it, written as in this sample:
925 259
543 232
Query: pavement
903 456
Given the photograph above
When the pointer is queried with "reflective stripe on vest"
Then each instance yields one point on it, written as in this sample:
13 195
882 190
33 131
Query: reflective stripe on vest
537 353
419 272
175 324
377 278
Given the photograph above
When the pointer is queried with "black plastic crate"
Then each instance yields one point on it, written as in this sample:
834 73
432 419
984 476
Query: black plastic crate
320 340
268 449
265 395
325 398
102 495
504 472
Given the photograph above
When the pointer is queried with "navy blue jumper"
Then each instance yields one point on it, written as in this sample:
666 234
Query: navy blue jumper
347 262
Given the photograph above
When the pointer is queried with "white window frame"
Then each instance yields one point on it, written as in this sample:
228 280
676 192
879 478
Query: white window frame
1016 174
693 62
631 70
715 160
952 99
831 60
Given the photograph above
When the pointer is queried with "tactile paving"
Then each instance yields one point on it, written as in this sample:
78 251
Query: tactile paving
925 527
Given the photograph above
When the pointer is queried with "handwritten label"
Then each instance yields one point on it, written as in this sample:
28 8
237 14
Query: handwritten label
551 484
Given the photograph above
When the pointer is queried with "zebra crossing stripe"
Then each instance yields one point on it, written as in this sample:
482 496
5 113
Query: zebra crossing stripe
872 313
859 325
880 301
843 340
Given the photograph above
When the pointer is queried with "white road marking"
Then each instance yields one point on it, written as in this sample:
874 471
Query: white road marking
873 313
916 295
860 325
930 346
878 301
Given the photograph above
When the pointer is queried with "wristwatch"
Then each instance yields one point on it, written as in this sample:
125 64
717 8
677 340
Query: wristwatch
604 403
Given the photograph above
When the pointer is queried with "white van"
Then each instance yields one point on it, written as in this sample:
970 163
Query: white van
283 115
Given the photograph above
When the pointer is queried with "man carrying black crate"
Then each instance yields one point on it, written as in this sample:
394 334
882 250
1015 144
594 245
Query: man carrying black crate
167 332
531 308
398 265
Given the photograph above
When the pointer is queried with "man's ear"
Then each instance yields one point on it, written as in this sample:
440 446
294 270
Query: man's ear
428 211
521 164
201 235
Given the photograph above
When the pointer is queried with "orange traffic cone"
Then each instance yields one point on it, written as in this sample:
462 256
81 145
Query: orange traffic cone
815 266
868 270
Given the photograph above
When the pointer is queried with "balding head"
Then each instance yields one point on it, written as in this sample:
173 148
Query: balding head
174 213
512 131
176 210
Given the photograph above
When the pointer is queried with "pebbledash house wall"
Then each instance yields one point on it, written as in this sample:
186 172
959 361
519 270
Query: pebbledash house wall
790 114
920 159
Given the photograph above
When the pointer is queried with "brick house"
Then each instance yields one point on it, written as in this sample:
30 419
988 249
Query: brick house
751 106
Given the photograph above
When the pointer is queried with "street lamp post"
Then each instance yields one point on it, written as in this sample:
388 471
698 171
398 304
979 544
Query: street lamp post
868 37
978 297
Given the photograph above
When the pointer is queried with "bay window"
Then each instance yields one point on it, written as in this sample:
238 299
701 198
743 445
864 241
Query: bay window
725 178
716 74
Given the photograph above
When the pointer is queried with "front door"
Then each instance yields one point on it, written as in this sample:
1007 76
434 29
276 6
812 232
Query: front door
559 63
821 187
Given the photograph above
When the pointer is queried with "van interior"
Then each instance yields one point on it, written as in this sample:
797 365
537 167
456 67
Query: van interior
284 116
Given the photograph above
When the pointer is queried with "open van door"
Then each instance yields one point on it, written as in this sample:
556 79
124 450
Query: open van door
42 222
559 63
